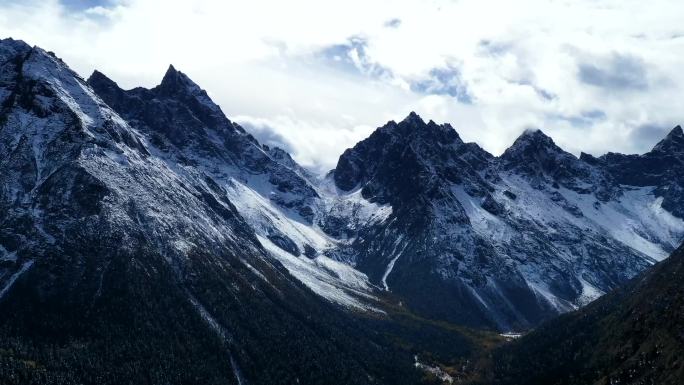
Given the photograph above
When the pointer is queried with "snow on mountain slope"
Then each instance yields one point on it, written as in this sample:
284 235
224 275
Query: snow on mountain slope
275 196
301 248
507 241
636 219
328 278
69 160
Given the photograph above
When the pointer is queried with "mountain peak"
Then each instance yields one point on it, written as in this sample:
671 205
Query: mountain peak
10 48
673 142
171 76
413 127
534 134
413 117
177 85
100 78
15 44
532 152
175 81
534 138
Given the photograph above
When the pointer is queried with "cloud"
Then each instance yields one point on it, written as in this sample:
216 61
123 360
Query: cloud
318 76
352 56
303 138
651 133
585 119
81 5
620 72
393 23
443 81
495 48
266 134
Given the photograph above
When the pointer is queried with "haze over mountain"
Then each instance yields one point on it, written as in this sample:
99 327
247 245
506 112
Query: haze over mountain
152 230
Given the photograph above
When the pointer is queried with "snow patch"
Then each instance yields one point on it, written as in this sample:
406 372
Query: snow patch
13 278
434 370
511 335
222 333
388 270
332 280
637 220
589 293
265 217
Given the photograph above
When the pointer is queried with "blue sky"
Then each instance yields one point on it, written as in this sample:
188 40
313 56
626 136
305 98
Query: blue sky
80 5
315 77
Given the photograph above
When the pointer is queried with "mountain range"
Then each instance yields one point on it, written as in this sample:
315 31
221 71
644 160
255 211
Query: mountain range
414 210
145 237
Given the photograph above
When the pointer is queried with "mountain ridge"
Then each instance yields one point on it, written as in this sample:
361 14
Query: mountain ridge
417 168
440 177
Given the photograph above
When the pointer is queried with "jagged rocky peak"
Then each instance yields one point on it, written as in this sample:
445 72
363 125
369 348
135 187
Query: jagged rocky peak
661 167
529 145
413 118
536 156
534 153
413 126
42 85
175 81
179 118
106 87
409 142
101 80
672 143
177 98
10 47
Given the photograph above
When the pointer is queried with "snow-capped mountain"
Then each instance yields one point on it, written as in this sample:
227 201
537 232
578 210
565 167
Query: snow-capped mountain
278 198
502 241
450 230
120 262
